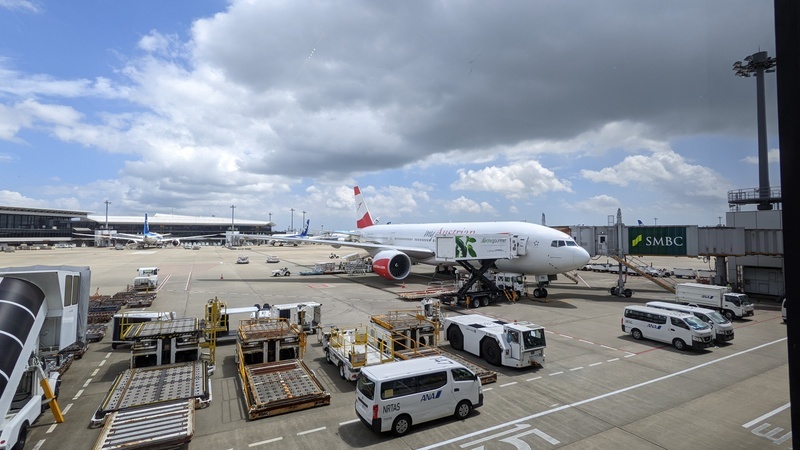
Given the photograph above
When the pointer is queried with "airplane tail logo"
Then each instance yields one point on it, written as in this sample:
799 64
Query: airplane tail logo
362 212
146 229
304 233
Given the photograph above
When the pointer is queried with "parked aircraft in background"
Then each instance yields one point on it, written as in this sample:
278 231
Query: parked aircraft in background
271 239
395 247
149 238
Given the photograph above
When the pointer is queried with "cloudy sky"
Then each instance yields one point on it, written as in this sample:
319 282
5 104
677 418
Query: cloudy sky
439 110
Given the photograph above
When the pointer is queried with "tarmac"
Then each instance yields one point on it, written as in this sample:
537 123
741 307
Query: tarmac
599 388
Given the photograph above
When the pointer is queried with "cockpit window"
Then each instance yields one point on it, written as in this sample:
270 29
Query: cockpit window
554 244
572 244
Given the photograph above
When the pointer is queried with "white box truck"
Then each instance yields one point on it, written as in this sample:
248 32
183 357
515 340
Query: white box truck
719 298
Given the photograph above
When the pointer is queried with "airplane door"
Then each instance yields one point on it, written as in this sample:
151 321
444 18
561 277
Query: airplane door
522 245
602 245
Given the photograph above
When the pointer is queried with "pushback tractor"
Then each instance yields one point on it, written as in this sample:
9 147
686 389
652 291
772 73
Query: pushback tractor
499 342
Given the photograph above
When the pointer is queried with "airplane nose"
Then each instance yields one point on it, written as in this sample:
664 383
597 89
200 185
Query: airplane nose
581 257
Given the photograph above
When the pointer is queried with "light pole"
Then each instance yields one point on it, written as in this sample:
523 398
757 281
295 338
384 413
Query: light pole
757 64
304 219
107 203
655 220
232 208
292 222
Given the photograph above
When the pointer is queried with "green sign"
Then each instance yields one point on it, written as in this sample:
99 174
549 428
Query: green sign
670 241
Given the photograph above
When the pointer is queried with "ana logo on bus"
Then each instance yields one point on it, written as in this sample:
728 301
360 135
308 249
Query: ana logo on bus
431 396
651 325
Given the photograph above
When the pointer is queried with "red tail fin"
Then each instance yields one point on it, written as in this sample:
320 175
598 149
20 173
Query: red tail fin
362 212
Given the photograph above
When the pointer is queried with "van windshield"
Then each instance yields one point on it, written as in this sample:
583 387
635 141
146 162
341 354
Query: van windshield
717 317
365 386
696 324
533 339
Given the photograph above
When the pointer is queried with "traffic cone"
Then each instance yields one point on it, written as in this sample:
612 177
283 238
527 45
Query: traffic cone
404 284
221 277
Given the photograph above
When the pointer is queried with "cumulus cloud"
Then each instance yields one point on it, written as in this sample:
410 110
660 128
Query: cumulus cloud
469 206
664 173
278 105
514 181
773 157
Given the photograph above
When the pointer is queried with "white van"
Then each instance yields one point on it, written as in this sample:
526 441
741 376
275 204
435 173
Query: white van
672 327
783 309
394 396
721 327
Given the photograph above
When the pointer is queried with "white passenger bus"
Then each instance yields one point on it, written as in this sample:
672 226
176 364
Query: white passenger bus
721 328
671 327
394 396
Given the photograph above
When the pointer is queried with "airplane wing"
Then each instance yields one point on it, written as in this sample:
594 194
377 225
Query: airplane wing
114 237
415 253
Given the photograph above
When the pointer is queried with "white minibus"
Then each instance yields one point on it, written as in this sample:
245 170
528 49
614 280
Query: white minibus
394 396
721 328
672 327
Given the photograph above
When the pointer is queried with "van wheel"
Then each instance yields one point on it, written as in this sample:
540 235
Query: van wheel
636 334
455 337
22 437
463 409
679 344
729 315
401 425
491 351
341 371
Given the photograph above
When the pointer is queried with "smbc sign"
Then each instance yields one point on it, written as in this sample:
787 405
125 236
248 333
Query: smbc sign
657 241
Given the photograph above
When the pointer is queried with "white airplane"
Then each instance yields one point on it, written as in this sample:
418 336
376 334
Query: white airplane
395 247
149 238
272 241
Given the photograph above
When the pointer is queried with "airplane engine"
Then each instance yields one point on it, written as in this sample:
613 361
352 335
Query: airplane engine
175 242
391 264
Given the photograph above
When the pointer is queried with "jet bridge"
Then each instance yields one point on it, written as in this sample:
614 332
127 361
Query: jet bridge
43 311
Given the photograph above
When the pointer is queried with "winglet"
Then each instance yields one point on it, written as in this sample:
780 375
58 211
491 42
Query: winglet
362 212
304 233
146 229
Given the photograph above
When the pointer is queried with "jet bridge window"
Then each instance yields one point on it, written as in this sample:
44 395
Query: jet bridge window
67 290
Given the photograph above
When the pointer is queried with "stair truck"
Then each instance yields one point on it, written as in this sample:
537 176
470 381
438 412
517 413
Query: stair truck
43 311
719 298
499 342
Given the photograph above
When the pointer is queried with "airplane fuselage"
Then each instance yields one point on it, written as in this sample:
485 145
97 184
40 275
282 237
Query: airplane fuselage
547 250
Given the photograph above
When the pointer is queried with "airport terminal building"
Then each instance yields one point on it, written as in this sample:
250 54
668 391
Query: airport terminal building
23 227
